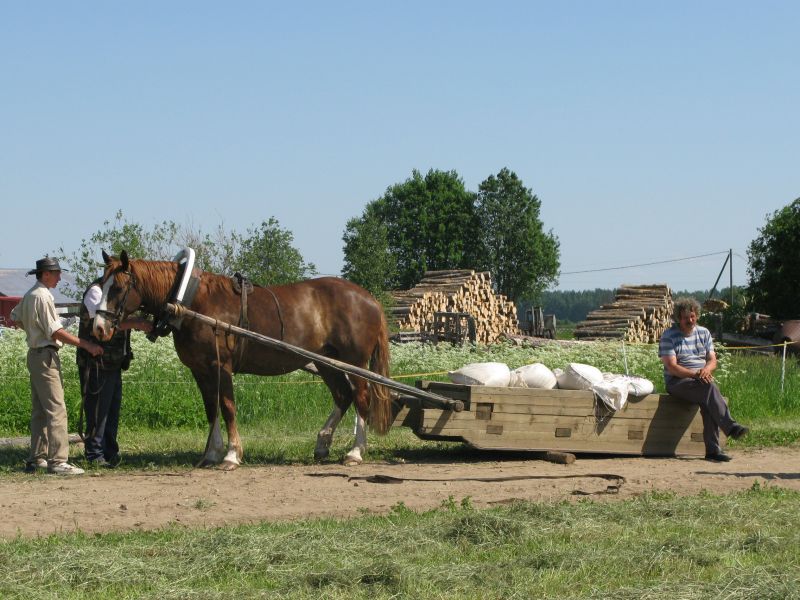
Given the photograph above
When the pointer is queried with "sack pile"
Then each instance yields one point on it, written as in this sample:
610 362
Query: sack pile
612 389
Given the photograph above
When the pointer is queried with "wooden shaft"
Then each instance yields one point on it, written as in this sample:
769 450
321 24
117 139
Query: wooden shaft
445 403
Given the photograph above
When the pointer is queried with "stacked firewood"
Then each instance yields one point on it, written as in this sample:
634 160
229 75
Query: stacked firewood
759 325
639 313
456 291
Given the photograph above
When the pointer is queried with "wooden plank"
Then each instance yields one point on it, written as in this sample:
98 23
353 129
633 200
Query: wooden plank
545 425
480 440
571 402
665 410
576 444
408 417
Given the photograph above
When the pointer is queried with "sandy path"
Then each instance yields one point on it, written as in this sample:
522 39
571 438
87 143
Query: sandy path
111 501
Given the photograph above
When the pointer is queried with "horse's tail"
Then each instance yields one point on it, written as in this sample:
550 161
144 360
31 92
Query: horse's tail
380 401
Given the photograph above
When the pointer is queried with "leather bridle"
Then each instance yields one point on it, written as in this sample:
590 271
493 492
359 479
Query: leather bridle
115 317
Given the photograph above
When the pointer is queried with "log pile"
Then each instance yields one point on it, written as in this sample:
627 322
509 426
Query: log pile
639 313
459 291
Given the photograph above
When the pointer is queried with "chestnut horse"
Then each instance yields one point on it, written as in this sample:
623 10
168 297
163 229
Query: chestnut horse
328 316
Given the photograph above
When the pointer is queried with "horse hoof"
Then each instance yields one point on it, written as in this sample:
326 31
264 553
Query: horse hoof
205 464
320 456
351 461
228 466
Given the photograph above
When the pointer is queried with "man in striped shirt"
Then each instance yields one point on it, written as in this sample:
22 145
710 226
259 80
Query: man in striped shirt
687 351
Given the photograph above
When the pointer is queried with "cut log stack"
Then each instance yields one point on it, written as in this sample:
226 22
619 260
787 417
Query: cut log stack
461 291
639 313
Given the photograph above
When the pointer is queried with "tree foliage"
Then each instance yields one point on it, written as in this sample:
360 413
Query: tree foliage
368 261
522 257
774 264
264 254
267 257
569 305
430 224
434 222
86 264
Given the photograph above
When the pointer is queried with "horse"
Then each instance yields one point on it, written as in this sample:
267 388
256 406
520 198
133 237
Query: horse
328 316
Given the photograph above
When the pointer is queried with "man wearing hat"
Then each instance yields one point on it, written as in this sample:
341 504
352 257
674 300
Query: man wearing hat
36 314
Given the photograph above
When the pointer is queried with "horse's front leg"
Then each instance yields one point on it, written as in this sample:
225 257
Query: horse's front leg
233 457
219 398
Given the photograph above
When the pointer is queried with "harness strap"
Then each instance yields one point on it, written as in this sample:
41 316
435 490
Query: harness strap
214 327
84 387
278 307
243 286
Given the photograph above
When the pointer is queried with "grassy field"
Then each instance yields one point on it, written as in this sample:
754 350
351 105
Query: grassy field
657 546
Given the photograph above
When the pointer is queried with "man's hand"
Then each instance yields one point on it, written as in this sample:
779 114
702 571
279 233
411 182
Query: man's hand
705 375
91 347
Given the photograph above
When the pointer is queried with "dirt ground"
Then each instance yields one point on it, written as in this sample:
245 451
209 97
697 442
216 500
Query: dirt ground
38 505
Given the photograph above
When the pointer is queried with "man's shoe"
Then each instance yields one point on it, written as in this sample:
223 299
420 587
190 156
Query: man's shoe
65 469
113 461
738 431
718 457
32 467
98 462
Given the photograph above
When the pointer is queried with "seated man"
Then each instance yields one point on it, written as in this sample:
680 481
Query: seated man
687 351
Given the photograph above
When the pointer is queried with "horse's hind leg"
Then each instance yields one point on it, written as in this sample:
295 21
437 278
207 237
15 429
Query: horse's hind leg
325 435
356 454
342 392
359 449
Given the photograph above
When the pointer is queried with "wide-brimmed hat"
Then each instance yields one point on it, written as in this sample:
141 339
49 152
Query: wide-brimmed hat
47 263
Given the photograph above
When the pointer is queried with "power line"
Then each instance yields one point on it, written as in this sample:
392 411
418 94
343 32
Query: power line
660 262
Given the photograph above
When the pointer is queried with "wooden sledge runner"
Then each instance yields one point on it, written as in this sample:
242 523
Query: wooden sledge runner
501 418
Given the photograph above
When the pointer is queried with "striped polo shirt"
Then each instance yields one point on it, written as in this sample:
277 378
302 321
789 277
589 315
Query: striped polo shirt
691 350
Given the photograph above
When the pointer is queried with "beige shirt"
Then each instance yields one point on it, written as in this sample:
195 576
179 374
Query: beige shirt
36 314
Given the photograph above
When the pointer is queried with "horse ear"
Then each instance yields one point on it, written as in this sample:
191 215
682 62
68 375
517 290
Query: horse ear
123 257
106 258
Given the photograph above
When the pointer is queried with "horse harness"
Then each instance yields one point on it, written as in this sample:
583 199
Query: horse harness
244 287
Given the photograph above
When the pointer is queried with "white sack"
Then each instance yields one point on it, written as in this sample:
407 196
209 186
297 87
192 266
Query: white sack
613 393
637 386
578 376
488 373
535 375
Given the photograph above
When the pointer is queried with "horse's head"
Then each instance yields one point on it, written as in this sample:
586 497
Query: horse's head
120 296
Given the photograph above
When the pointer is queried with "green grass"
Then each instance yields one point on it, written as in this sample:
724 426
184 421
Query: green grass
744 545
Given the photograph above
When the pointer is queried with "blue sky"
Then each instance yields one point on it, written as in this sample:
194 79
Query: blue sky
649 131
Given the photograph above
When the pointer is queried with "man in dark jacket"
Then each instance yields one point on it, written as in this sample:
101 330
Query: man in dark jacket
101 381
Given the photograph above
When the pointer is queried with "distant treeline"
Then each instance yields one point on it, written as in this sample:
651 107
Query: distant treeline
573 305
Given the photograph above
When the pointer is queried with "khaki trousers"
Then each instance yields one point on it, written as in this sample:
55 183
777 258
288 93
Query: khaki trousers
49 436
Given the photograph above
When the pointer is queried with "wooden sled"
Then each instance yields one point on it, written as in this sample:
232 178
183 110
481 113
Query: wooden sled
502 418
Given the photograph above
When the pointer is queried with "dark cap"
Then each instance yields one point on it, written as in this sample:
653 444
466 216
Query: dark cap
46 264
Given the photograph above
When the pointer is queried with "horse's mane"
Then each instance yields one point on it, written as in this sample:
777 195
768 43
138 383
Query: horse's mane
156 278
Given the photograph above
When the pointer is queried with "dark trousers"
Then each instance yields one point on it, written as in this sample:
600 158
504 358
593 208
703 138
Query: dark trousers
102 406
713 408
